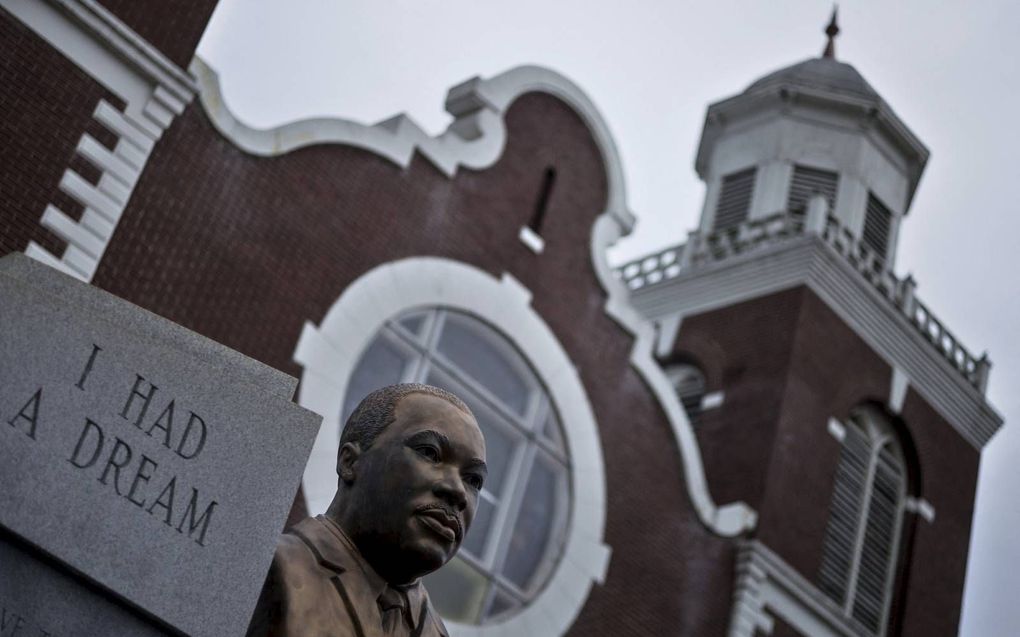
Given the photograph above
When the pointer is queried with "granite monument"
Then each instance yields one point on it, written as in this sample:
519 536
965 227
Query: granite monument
147 471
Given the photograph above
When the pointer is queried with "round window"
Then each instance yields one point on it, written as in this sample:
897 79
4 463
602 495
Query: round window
520 527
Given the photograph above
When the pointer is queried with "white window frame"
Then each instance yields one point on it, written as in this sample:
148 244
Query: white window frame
329 353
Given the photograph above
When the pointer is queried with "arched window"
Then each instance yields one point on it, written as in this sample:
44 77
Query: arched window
524 507
689 384
865 518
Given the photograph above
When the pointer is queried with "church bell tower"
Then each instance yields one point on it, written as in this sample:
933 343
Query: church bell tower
822 391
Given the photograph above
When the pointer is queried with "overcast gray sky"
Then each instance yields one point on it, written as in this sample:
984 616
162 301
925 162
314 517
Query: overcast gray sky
951 70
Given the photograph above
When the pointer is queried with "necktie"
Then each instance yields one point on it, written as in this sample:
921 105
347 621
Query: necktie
394 611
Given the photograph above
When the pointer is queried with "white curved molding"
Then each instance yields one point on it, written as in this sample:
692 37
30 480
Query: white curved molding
728 520
330 352
475 140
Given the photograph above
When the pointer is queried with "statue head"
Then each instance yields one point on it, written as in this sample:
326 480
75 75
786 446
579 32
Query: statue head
411 464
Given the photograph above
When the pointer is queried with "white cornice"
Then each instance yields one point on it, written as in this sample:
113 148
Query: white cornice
59 21
809 261
146 58
475 140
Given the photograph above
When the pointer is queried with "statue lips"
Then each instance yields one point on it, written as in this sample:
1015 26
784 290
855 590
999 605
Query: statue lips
441 521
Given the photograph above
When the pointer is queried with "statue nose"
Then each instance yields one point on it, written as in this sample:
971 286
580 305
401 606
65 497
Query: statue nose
451 489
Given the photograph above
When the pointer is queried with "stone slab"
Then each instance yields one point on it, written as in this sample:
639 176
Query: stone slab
39 599
171 498
92 300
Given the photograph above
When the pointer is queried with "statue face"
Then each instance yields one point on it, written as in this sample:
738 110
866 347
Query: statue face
417 488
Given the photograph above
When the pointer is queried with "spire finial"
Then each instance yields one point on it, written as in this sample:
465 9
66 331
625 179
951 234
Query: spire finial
832 31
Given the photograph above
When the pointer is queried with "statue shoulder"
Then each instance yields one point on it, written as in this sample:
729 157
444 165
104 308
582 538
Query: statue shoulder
299 597
291 550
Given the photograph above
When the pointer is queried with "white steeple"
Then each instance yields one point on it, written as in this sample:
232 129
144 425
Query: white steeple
814 127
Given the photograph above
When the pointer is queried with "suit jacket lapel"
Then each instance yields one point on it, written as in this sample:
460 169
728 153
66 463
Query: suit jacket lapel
353 586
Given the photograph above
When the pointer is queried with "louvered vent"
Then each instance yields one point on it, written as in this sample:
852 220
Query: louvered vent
876 561
876 227
734 199
864 521
844 514
808 182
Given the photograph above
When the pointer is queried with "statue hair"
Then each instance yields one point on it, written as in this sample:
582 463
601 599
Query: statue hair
377 411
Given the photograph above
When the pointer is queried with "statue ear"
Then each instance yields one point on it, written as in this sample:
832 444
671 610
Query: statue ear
346 461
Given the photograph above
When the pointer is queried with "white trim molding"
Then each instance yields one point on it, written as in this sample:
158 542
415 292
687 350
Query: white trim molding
667 331
154 91
330 352
898 390
656 270
475 140
837 429
532 239
810 261
921 507
712 400
767 587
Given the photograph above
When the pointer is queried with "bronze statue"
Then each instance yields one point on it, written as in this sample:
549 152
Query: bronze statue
410 466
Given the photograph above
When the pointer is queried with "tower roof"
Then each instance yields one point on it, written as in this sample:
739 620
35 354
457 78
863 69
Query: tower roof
819 83
824 73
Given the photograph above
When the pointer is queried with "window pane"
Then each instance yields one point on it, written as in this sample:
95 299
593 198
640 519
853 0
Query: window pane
487 359
501 603
500 439
457 590
552 432
532 534
382 364
476 538
413 323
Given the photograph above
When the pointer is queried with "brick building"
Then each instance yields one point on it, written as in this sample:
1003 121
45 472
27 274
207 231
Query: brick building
761 431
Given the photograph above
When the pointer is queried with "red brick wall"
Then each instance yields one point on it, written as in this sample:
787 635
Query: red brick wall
728 344
949 471
47 104
830 371
788 363
246 249
172 26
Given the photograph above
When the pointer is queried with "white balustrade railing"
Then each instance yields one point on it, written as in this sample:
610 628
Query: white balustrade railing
699 250
660 267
